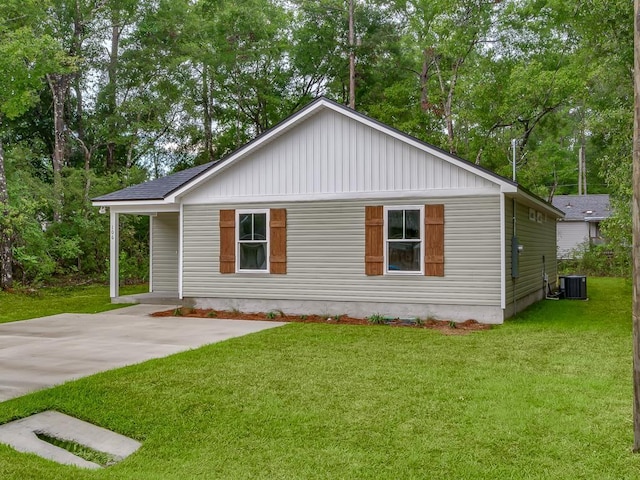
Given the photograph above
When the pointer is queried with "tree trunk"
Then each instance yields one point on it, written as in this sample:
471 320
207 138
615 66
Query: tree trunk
112 88
448 105
6 252
424 80
636 231
58 83
206 109
78 34
352 60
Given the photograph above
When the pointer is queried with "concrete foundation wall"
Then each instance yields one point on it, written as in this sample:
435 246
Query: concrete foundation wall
456 313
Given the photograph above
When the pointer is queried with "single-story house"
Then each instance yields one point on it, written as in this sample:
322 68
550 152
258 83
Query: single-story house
332 212
581 224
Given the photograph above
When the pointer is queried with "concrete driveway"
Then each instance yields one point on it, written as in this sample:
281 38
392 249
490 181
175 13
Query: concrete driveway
43 352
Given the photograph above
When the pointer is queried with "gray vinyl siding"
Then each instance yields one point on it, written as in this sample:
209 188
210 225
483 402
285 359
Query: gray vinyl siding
571 236
538 240
165 252
325 256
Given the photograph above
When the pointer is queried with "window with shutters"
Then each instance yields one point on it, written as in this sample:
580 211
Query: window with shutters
252 243
404 239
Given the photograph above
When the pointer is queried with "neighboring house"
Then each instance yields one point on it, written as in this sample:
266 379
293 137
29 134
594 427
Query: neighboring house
581 224
332 212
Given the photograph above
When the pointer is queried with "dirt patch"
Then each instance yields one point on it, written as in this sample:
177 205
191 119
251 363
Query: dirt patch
446 327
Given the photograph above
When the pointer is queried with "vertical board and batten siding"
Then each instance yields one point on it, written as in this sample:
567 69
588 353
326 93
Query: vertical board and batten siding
538 240
571 236
331 153
165 252
326 250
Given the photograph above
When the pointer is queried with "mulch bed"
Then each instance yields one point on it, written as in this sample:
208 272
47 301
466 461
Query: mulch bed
446 327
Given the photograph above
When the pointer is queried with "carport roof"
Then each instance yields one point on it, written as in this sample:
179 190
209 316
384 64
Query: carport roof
157 189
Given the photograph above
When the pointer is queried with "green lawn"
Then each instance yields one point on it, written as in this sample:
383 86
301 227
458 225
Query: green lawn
547 395
52 300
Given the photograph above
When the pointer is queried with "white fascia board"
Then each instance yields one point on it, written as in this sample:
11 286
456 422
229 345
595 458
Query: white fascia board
142 208
117 203
324 197
312 110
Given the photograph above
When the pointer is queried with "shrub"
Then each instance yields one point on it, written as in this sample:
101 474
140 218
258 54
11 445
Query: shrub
376 319
599 260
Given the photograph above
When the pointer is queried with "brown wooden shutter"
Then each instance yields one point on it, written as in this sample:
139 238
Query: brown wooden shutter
374 240
278 240
227 241
434 240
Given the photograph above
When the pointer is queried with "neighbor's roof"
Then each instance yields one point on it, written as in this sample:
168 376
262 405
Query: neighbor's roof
583 208
157 189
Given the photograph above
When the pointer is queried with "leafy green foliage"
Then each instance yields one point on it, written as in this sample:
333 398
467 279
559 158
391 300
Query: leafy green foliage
612 259
160 86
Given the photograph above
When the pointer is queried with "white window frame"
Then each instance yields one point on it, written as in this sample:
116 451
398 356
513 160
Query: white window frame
386 239
268 239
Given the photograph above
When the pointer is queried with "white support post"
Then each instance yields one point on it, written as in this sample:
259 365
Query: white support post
114 252
180 249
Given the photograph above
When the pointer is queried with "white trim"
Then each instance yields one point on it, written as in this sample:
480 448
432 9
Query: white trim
314 108
180 249
114 251
254 211
320 197
151 221
386 210
503 255
143 209
127 203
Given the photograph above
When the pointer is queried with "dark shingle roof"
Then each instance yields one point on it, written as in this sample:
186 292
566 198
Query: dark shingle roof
157 189
583 208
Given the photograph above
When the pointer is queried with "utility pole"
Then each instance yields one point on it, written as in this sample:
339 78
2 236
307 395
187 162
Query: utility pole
352 60
582 171
636 228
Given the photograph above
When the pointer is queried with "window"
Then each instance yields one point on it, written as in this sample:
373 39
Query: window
253 240
404 239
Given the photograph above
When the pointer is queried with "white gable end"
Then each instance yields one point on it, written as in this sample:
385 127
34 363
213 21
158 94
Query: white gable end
332 155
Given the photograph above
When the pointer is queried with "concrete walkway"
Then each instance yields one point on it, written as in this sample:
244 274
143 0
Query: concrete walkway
43 352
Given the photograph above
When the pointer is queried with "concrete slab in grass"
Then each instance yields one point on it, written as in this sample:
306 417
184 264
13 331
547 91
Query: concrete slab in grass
22 435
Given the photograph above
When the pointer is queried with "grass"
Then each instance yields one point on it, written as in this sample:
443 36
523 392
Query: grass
82 451
54 300
547 395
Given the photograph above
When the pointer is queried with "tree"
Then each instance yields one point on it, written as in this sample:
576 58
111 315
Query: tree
26 55
636 231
